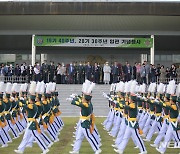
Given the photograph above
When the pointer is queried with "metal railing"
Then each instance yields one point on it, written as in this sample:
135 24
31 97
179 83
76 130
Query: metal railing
166 80
26 79
14 79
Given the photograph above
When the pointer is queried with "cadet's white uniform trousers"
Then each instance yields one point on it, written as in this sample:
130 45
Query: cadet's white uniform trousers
140 112
162 133
155 125
107 119
18 125
131 132
147 125
110 121
116 127
51 132
43 136
143 121
26 139
12 128
96 135
84 132
77 127
60 121
6 134
121 132
24 120
3 139
169 134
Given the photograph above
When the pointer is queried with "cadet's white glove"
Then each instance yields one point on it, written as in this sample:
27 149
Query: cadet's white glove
69 99
21 98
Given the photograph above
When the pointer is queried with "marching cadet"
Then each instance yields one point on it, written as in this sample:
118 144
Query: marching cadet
23 98
86 127
145 108
132 128
32 129
157 123
124 116
173 120
110 104
38 117
109 122
119 109
151 106
57 111
15 108
141 91
8 109
3 135
47 113
54 110
165 124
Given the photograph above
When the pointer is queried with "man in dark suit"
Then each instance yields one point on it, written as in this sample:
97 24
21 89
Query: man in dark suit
80 73
88 71
96 73
71 72
10 70
115 72
134 70
51 71
127 72
30 72
44 70
75 76
17 70
2 70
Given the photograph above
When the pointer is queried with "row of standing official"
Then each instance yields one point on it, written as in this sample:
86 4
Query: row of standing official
76 74
73 74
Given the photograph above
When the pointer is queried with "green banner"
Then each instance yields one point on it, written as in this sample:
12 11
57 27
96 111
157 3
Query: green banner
68 41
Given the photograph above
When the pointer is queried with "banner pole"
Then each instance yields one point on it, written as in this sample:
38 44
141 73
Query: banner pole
33 51
152 51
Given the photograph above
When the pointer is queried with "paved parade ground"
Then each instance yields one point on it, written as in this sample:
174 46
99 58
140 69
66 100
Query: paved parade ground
64 144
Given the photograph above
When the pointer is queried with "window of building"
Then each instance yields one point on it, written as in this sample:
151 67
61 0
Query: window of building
38 57
163 58
169 57
24 57
5 58
157 58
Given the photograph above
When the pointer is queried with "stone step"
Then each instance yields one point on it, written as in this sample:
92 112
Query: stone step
100 104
